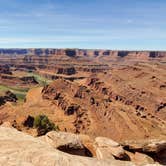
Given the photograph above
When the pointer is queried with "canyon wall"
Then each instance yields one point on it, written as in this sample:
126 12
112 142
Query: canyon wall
55 59
80 52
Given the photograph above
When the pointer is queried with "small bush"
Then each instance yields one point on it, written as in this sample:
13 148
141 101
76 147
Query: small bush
44 125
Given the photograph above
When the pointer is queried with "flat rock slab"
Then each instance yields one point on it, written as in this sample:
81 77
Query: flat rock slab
17 148
152 145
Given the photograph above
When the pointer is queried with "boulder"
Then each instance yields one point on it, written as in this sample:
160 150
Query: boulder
70 143
6 124
147 150
103 153
155 146
142 159
57 139
149 145
106 147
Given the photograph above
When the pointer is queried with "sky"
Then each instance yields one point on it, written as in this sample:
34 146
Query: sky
99 24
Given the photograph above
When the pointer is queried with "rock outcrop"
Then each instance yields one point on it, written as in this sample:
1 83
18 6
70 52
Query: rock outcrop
61 148
102 103
106 147
66 71
5 69
148 150
81 60
7 97
20 149
140 152
70 143
147 146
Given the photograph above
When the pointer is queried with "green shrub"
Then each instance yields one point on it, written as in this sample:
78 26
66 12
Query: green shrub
44 125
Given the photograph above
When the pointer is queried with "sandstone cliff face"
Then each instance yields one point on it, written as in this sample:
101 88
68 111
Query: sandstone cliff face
72 61
5 69
80 52
43 57
67 71
9 79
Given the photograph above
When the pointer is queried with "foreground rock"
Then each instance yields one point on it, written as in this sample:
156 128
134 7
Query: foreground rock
147 151
152 145
101 148
71 143
140 158
107 148
20 149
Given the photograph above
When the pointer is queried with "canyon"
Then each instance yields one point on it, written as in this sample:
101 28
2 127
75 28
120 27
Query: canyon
120 95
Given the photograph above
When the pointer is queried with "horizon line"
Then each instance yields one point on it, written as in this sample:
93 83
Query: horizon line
108 49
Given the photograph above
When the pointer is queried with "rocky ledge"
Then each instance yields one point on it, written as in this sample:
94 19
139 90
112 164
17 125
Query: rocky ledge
60 148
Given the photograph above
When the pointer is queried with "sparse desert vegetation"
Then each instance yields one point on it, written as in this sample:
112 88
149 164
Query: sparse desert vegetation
90 93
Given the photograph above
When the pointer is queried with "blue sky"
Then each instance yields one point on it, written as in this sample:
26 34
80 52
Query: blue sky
110 24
